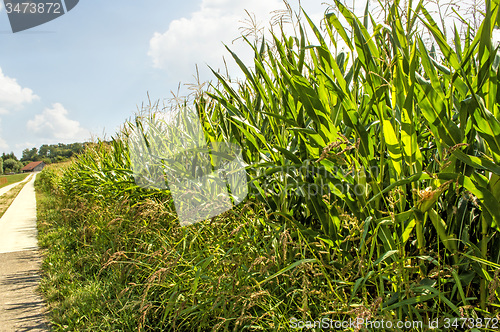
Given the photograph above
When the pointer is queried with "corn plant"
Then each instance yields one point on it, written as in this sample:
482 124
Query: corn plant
380 163
403 139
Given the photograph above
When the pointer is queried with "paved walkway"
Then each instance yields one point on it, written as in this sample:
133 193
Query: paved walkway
21 307
18 224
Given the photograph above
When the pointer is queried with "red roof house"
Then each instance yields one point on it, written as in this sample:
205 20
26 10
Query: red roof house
34 166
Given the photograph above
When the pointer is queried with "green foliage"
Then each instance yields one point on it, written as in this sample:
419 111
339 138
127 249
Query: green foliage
395 138
103 174
375 171
30 155
115 267
48 180
52 153
9 156
12 166
9 179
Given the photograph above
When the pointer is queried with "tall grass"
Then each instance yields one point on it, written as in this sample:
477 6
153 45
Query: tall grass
374 192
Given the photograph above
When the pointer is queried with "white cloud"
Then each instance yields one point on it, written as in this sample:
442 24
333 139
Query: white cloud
54 123
200 38
3 144
12 95
25 145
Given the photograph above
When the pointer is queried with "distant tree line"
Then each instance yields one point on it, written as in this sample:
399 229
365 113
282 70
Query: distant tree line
54 153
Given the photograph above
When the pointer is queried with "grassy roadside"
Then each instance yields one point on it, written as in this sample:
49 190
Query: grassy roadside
7 198
114 267
12 179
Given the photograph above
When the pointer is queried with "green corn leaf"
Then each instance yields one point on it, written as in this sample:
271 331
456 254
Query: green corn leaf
288 154
411 301
488 127
359 283
310 134
413 156
302 51
317 33
334 21
488 202
440 227
363 38
433 107
460 288
408 230
288 268
393 146
366 229
397 30
385 256
483 261
351 119
478 162
441 40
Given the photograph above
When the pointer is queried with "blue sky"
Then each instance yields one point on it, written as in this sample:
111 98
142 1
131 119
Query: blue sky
84 73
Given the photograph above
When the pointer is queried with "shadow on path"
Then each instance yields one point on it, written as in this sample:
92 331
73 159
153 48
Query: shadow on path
21 307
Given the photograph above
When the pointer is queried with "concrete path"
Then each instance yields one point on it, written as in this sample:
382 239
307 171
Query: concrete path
3 190
21 307
18 224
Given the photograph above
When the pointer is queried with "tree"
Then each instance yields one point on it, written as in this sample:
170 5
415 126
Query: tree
12 165
48 153
30 155
9 156
42 152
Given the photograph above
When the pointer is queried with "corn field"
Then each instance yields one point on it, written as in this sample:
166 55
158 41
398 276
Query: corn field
374 185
